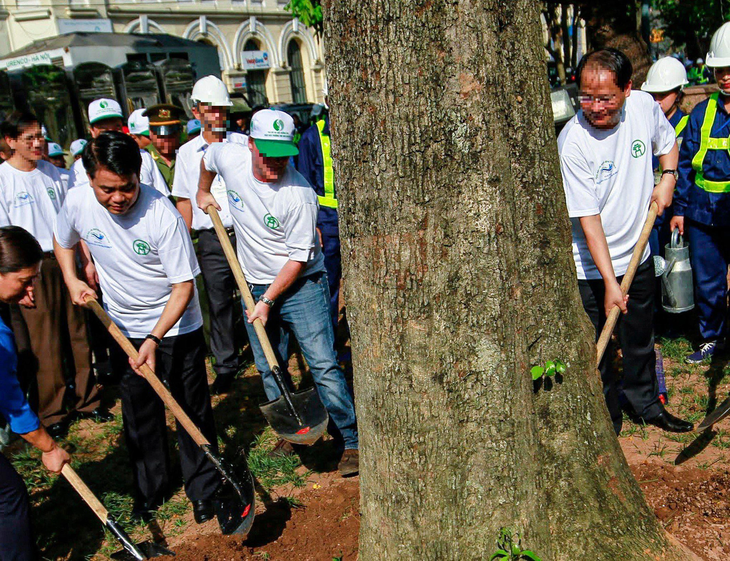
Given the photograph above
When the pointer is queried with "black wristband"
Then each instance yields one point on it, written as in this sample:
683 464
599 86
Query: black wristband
154 338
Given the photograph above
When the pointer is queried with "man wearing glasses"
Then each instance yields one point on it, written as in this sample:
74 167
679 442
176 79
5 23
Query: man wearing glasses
605 158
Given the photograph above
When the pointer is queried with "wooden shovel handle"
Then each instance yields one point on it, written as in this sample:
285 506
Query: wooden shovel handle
82 489
626 282
150 376
242 285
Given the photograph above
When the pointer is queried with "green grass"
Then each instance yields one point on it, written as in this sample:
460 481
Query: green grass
676 349
272 471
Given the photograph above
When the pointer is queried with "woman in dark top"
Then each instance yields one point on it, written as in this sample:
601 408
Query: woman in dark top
20 261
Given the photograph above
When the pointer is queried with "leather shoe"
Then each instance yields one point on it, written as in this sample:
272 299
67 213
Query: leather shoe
203 510
222 384
57 430
145 511
99 415
668 422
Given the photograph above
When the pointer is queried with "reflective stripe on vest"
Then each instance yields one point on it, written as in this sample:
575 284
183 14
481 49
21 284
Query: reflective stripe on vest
709 143
680 126
329 183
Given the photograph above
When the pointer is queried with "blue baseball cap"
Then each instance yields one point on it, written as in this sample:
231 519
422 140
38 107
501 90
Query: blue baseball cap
193 126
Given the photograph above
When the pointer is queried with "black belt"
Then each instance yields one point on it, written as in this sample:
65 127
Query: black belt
49 255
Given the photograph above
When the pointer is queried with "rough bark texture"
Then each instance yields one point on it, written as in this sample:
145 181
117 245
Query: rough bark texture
459 278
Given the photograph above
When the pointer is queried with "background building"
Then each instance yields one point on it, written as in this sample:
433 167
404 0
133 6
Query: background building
262 50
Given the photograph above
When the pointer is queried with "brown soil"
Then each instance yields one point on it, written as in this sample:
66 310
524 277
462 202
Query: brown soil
326 527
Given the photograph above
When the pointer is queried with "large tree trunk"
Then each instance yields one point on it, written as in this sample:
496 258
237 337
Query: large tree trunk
456 247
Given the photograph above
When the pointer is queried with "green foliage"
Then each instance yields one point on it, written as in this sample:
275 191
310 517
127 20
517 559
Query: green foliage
309 12
510 548
692 22
272 471
551 368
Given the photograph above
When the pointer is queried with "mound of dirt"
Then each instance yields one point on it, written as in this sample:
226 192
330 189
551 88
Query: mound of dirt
325 528
693 504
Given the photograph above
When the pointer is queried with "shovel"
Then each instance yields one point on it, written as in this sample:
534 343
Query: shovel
131 551
626 282
297 417
235 501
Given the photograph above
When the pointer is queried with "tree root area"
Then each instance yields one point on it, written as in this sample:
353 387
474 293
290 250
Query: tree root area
692 504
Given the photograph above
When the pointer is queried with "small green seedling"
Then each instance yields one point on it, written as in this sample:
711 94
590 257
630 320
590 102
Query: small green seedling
551 368
510 548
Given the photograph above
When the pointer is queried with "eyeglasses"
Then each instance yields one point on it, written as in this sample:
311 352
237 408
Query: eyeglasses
586 99
30 138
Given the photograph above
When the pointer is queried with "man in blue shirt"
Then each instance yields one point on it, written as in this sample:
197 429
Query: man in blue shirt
20 261
702 201
315 164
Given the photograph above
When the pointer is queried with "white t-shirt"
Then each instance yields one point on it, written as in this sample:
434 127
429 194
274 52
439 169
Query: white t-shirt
274 222
149 174
187 174
32 199
139 256
609 172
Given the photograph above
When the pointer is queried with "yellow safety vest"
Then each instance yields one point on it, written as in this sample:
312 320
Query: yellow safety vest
680 126
709 143
329 199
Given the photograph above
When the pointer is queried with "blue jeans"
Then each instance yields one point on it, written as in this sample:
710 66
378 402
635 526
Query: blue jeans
304 311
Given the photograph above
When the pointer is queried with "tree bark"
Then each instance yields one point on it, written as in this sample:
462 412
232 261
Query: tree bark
460 278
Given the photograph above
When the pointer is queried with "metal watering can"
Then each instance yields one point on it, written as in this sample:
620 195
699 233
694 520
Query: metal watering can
676 274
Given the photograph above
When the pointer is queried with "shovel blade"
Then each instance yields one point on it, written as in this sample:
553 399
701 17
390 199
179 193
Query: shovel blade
720 412
148 549
310 410
235 512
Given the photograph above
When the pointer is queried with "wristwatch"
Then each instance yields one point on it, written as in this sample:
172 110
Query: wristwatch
267 301
154 338
673 172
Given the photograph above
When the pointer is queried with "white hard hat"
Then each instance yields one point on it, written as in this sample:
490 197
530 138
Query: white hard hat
211 90
665 75
719 53
138 123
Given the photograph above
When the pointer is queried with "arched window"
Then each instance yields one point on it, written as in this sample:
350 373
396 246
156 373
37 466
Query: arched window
296 77
255 78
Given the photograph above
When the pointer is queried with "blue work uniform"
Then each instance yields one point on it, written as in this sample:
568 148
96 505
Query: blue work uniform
16 538
661 233
311 165
703 198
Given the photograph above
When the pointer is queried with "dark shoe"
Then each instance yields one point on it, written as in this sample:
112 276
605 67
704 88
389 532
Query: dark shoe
144 511
57 430
705 352
668 422
98 415
282 448
222 384
203 511
349 463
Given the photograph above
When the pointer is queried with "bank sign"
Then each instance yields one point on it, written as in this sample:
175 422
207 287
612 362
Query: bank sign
255 60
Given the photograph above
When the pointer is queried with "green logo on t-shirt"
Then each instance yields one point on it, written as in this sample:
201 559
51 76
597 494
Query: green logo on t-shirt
271 221
52 194
141 247
638 148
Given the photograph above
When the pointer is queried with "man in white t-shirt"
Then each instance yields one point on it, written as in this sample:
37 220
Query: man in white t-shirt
211 102
147 269
31 193
274 213
106 115
607 175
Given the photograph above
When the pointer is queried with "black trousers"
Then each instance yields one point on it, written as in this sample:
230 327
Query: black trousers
635 331
16 538
220 285
181 366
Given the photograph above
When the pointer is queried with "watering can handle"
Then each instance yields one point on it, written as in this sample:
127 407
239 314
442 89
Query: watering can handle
665 282
677 240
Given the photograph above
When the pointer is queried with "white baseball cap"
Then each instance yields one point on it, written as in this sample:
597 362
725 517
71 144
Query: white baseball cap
138 123
101 109
55 149
273 133
77 146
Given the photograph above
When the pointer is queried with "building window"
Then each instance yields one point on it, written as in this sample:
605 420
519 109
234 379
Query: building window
296 77
255 79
